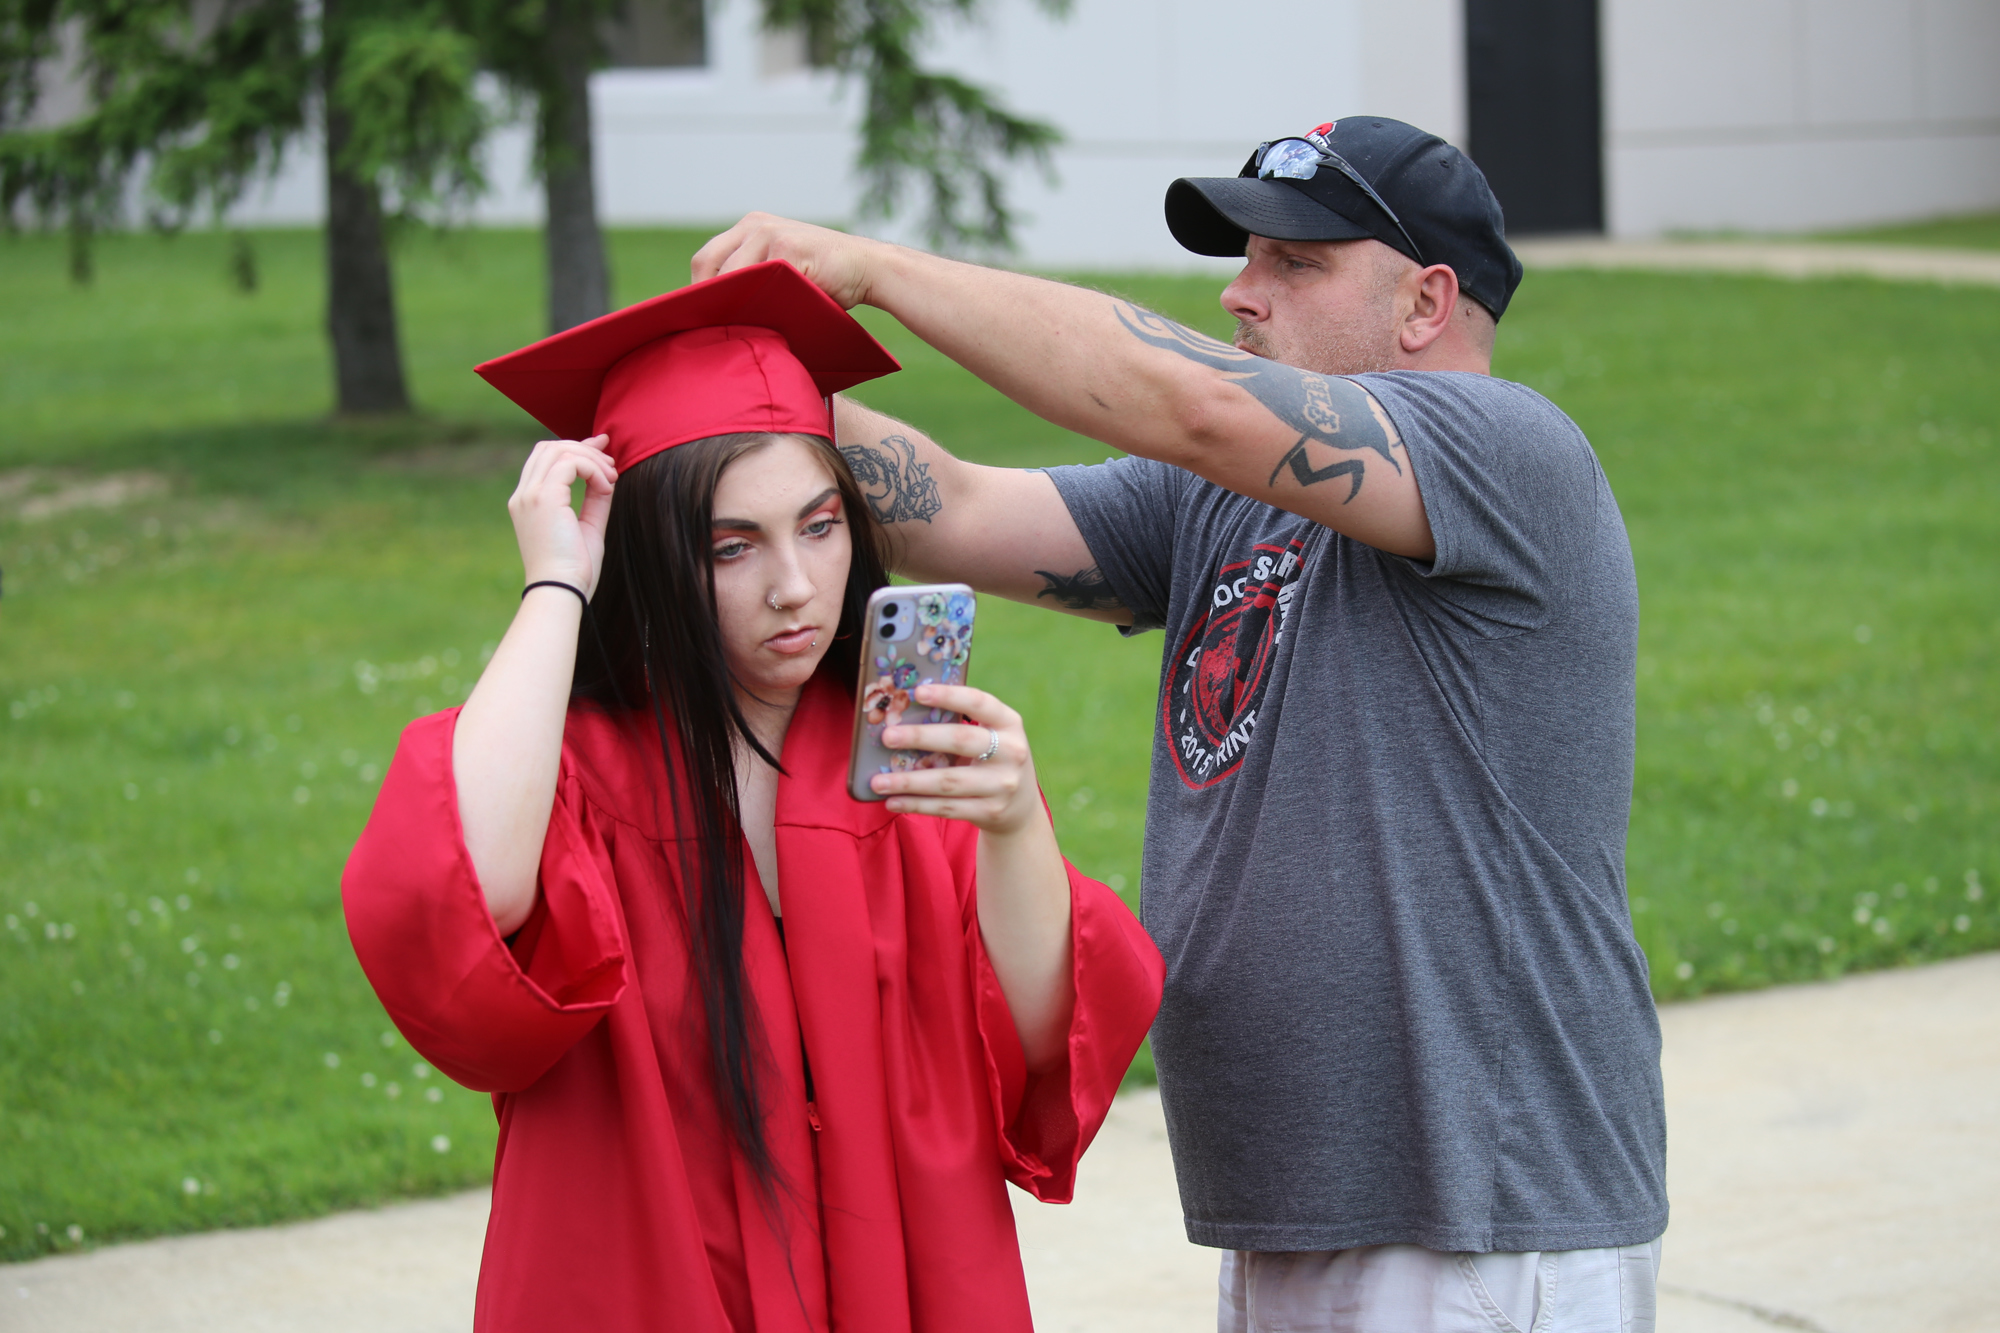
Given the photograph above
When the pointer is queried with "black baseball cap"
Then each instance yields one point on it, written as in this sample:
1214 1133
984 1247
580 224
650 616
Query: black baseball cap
1447 212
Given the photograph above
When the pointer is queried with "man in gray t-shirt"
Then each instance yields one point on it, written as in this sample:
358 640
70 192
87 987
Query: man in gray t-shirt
1407 1051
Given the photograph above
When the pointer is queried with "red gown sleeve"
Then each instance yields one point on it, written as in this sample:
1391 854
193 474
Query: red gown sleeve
1047 1122
493 1014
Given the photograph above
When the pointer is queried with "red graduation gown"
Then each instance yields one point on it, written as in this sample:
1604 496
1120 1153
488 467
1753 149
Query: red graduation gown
618 1200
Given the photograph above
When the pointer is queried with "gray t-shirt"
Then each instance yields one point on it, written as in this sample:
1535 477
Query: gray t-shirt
1385 845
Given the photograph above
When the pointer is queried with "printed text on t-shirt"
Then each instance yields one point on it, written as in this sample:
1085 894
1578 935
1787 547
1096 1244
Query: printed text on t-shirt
1209 709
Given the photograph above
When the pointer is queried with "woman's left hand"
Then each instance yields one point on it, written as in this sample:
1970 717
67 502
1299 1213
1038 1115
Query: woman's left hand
998 795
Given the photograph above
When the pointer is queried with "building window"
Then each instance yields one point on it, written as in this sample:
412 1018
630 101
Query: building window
657 34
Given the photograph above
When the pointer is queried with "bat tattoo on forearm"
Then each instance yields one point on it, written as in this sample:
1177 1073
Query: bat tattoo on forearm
1325 409
1085 590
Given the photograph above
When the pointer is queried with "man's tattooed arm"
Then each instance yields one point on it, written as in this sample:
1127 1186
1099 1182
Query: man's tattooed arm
1328 412
898 487
1085 590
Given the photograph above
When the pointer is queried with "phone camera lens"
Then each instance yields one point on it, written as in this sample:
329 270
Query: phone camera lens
889 631
890 610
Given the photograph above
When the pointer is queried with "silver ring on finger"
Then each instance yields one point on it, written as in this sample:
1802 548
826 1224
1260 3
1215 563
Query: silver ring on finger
992 746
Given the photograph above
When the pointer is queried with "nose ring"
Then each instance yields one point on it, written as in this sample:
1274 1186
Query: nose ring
773 603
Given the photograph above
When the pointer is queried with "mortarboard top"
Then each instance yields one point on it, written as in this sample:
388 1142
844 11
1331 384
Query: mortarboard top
758 349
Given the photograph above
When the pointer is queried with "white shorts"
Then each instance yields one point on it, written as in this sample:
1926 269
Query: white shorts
1409 1289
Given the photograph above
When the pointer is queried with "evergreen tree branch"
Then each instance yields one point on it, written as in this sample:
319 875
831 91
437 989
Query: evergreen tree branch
917 124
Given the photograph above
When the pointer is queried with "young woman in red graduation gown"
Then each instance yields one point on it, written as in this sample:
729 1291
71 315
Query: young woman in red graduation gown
763 1055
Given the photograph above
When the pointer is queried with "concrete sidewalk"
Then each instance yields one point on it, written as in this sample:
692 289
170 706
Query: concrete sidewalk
1834 1166
1781 259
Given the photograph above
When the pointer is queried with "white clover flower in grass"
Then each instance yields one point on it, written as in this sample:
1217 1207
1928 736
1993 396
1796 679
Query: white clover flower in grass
392 1090
183 902
1826 944
433 1094
388 1039
190 1186
214 1037
439 1143
1961 924
331 1060
75 1234
231 961
420 1070
1684 970
300 795
367 1080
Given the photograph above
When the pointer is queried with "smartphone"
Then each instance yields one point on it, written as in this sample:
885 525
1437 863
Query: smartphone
913 636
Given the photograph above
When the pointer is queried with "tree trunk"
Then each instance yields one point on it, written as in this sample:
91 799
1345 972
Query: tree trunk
579 280
360 300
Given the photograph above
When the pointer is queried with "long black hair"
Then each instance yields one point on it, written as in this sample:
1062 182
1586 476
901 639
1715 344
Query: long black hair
651 645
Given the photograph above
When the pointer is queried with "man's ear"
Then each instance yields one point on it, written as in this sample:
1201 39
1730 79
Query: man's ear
1434 302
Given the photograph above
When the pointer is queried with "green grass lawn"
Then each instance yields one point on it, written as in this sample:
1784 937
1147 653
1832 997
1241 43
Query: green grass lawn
219 612
1967 231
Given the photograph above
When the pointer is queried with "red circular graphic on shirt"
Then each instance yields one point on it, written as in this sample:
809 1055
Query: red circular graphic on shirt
1209 708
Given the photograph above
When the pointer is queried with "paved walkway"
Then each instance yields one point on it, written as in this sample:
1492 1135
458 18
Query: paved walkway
1835 1168
1784 259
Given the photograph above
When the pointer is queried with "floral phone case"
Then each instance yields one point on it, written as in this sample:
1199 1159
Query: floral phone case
914 635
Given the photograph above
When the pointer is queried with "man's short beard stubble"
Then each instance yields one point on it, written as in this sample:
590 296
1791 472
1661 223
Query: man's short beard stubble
1360 340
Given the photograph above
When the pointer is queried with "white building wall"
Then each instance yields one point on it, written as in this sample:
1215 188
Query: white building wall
1758 115
1143 90
1790 115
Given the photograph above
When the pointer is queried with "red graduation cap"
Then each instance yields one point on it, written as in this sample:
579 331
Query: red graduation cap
758 349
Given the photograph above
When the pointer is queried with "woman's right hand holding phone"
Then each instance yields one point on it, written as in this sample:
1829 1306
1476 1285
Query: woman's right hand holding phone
1023 888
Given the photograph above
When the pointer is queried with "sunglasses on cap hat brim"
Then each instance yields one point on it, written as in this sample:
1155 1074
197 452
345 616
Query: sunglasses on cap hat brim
1300 159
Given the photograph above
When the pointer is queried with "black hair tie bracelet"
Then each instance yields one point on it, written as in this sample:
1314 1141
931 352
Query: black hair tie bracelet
554 583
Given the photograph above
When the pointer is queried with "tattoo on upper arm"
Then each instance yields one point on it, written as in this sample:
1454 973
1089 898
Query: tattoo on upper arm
898 487
1326 410
1085 590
